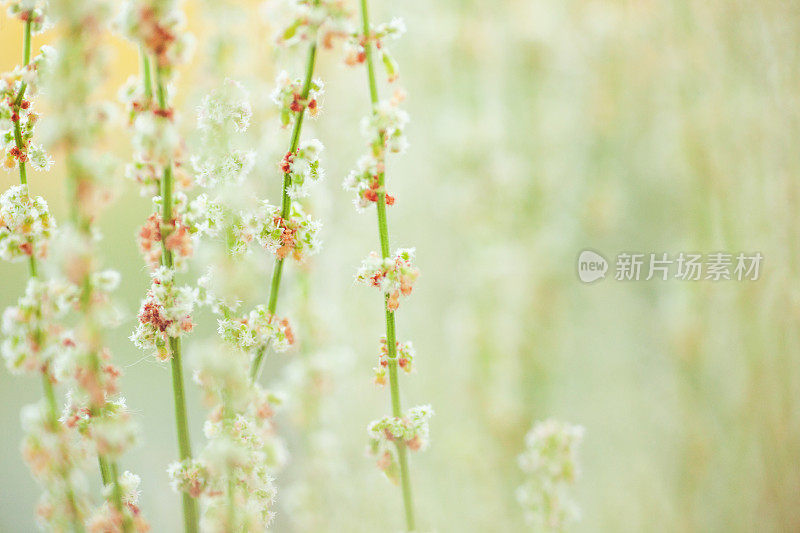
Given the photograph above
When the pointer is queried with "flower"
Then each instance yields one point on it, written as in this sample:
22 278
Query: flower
256 330
385 127
365 181
189 476
296 235
302 167
166 313
33 11
412 430
288 96
550 464
392 275
25 224
404 354
33 334
227 105
308 16
354 46
158 25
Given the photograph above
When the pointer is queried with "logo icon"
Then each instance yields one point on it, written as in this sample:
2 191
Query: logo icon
591 266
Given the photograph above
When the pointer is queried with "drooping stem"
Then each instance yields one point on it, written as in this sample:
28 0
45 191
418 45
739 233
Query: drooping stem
383 232
190 517
286 202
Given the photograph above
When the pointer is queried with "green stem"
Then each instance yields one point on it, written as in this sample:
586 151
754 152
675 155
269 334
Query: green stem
52 416
108 470
383 232
26 43
182 426
190 517
26 58
116 494
47 384
286 203
231 500
105 472
147 80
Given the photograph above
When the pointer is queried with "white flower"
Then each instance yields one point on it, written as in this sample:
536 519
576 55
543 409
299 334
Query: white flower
550 463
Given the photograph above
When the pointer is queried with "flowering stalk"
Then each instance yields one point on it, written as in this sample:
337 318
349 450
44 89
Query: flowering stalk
292 231
95 408
166 237
286 201
30 329
181 420
394 274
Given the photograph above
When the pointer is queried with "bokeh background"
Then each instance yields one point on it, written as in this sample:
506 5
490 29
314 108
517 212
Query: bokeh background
539 128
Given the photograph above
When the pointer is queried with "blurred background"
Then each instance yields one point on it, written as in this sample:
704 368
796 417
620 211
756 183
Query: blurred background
539 128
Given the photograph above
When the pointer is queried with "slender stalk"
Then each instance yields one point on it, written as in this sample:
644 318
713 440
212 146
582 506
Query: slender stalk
26 58
286 202
147 80
117 494
105 471
391 341
52 415
190 516
83 223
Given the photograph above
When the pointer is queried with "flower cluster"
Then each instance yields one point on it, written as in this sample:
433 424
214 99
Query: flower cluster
296 235
223 113
18 117
288 96
385 130
33 333
227 105
392 275
550 464
107 518
158 25
365 181
255 330
404 352
166 314
191 220
411 430
56 459
156 141
307 17
25 225
302 166
354 46
33 11
112 432
385 127
189 476
231 475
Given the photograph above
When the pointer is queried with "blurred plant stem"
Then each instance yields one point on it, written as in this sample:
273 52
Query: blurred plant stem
383 230
190 518
286 202
82 221
47 380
